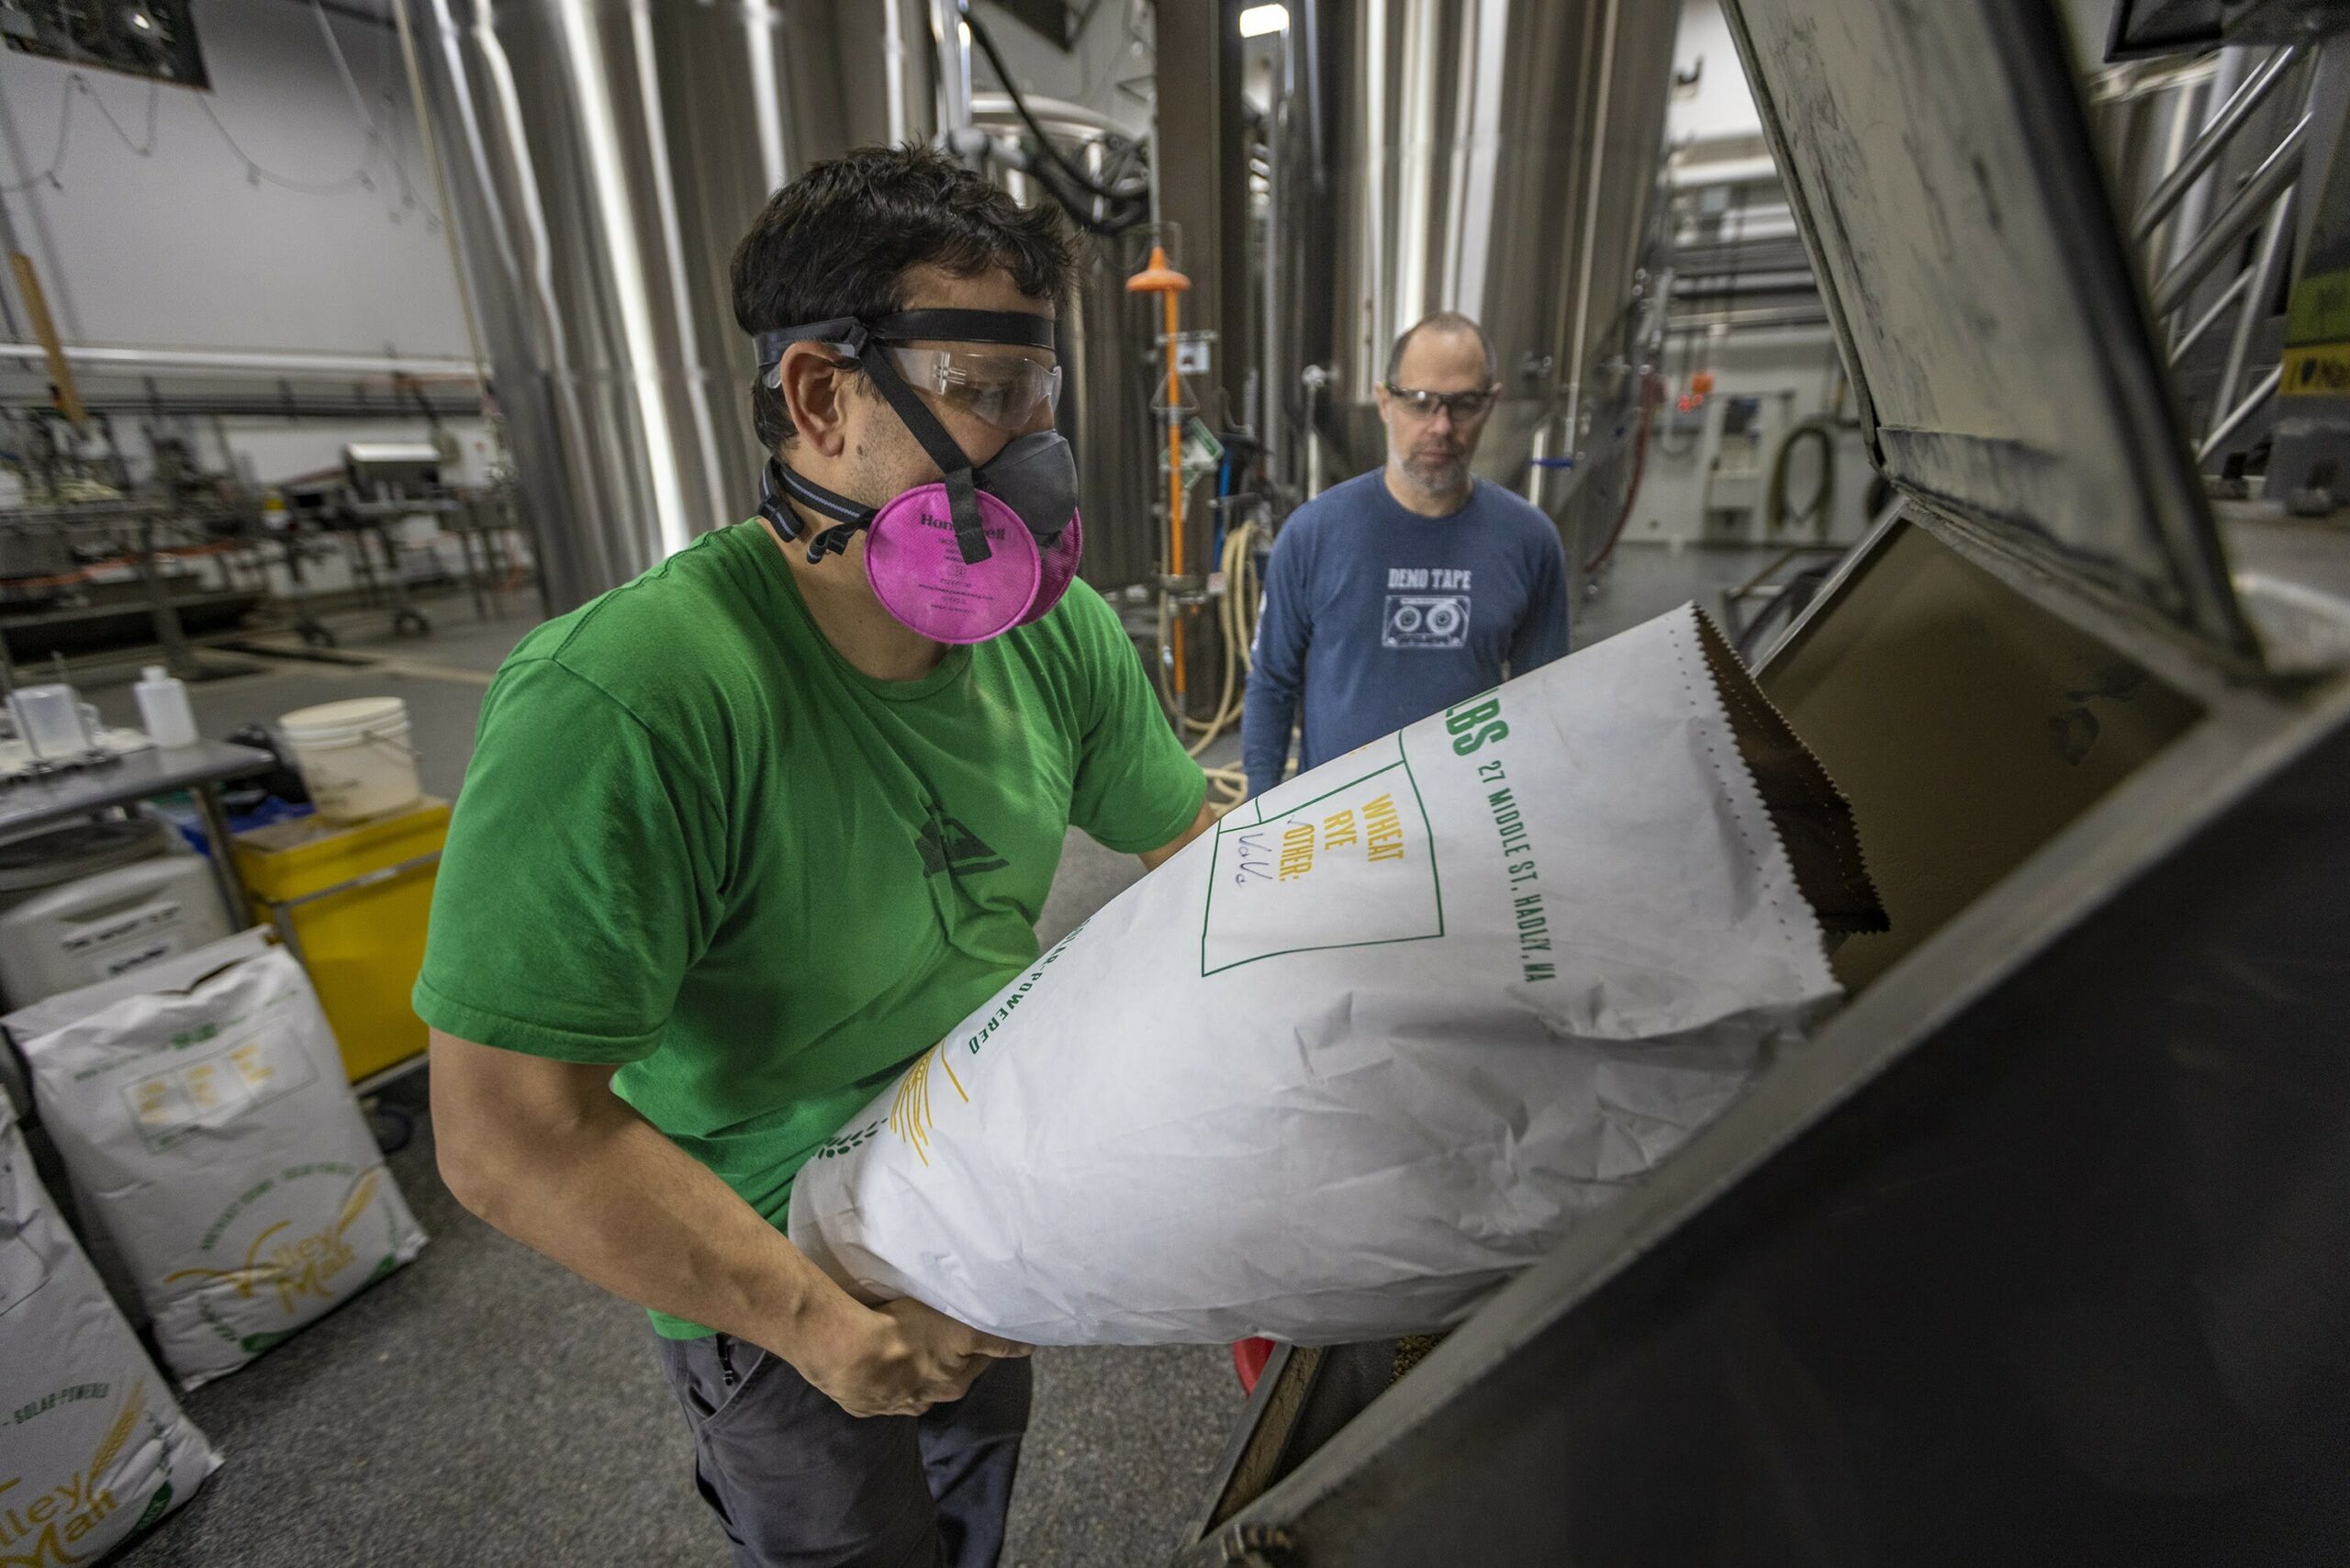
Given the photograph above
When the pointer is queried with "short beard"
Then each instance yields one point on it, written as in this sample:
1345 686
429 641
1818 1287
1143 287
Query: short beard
1446 478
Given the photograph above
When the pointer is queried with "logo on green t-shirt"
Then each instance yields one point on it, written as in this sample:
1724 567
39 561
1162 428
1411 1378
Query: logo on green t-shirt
947 845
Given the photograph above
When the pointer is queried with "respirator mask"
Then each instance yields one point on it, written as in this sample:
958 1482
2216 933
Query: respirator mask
987 547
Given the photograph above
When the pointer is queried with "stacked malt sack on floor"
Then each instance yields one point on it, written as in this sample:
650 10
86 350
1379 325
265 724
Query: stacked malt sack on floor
202 1111
1381 1039
92 1449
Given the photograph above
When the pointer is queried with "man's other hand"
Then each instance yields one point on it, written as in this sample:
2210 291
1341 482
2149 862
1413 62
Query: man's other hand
902 1357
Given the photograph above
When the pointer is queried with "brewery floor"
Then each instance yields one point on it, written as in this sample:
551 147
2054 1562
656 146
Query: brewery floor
485 1406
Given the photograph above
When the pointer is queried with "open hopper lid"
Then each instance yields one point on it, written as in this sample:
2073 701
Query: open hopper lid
1992 319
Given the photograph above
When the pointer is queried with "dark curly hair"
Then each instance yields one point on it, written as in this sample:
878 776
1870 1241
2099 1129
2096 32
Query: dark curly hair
839 240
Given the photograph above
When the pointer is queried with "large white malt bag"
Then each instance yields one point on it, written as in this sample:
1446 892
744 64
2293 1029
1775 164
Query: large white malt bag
209 1130
1340 1067
92 1449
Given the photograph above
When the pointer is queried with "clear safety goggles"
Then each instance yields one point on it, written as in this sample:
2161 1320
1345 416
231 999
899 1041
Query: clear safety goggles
1005 391
1466 408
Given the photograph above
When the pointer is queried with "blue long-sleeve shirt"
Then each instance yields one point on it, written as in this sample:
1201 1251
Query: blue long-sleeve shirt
1376 617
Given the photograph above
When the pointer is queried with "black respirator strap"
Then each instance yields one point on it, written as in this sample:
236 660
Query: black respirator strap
1018 329
954 467
774 480
778 484
840 331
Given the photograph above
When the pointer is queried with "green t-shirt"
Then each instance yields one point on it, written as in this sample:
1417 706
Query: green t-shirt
694 840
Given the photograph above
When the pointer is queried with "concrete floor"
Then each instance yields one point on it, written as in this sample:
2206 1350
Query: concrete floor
1642 581
484 1405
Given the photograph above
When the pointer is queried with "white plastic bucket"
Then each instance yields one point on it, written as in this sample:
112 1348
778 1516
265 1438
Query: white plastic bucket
354 756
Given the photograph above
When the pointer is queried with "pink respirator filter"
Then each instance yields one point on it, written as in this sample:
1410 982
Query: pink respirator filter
917 570
1059 569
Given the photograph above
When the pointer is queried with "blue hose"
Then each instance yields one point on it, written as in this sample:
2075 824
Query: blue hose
1223 493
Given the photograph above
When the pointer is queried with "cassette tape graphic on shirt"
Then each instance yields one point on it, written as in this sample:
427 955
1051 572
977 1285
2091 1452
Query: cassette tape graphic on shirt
1426 620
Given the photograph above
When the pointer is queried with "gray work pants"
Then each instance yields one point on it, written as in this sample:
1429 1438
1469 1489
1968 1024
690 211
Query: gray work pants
799 1483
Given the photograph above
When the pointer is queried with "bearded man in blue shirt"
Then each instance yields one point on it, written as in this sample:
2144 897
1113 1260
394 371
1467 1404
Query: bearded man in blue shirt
1403 591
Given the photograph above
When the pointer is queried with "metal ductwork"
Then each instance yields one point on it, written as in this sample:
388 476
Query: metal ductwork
603 158
1493 157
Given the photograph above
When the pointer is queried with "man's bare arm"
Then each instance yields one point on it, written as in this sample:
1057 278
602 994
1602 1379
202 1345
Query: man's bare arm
545 1152
1152 859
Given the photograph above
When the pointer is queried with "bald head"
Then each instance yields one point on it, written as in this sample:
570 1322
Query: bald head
1447 323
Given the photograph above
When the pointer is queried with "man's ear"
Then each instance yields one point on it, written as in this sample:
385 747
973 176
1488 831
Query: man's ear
815 388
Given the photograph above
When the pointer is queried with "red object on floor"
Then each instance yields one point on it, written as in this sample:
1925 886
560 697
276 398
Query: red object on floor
1248 1359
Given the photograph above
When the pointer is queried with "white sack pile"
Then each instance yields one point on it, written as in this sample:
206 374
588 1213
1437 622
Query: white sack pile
1342 1067
210 1131
92 1449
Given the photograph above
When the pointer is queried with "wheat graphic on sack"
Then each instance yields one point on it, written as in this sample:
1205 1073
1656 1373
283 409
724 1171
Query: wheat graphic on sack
119 1433
355 1203
909 1108
244 1276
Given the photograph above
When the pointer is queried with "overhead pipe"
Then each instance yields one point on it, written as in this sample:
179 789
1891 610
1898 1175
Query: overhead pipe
954 103
2278 171
1273 390
2192 112
1760 320
1309 18
257 405
2263 273
2242 412
1590 231
1075 120
2210 140
271 363
2209 318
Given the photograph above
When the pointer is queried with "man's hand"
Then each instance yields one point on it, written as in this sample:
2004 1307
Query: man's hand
901 1359
547 1153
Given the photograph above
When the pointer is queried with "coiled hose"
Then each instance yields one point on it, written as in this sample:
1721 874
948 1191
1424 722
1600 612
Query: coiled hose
1815 511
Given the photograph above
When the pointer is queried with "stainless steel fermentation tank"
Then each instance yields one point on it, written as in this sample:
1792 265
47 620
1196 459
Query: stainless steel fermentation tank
1105 411
603 158
1108 355
1493 157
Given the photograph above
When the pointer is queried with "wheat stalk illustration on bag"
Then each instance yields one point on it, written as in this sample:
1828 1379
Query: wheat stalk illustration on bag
133 1406
909 1108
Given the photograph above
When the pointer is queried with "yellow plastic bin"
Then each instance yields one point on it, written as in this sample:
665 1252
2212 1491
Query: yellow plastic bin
350 901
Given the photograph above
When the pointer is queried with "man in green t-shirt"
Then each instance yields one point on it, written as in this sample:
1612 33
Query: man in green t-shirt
737 842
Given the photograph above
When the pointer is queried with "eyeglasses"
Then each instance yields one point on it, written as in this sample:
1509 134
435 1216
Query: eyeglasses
1005 391
1465 407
